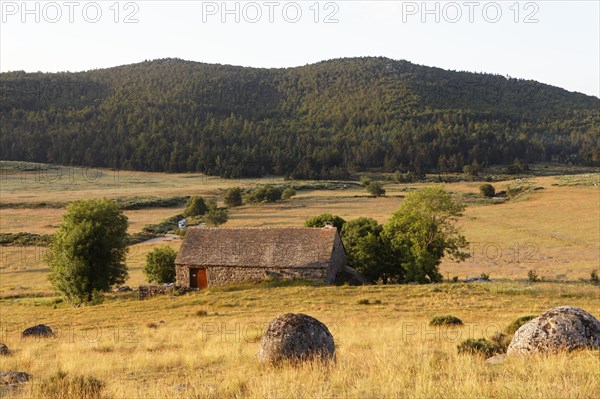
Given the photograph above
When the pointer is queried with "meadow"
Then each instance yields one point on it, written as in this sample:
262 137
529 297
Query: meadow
204 344
554 229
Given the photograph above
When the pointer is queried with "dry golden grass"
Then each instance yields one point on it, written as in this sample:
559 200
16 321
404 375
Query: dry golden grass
65 184
47 220
555 231
384 350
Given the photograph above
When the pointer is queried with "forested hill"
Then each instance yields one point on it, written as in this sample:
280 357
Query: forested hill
314 121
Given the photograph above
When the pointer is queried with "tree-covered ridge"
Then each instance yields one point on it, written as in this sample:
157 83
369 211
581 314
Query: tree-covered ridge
314 121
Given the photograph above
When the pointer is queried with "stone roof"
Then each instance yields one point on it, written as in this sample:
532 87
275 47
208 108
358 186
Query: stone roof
257 247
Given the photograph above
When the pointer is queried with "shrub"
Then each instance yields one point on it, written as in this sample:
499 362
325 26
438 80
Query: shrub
446 320
487 190
365 181
131 203
455 279
288 193
516 324
363 302
60 385
322 219
160 265
594 277
485 276
408 177
376 189
265 193
211 205
479 346
25 239
195 206
517 167
501 341
532 275
233 197
216 217
201 313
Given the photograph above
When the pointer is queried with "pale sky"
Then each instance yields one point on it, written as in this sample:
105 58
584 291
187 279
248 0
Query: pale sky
554 42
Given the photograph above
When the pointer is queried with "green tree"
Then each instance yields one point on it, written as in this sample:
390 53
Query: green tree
422 231
288 193
322 219
233 197
87 254
160 265
368 251
469 172
266 193
216 217
487 190
196 206
375 188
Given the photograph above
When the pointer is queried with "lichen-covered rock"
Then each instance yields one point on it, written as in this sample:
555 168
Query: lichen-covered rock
13 377
40 330
296 337
4 349
564 328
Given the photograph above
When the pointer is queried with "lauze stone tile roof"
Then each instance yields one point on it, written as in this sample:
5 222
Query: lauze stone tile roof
287 247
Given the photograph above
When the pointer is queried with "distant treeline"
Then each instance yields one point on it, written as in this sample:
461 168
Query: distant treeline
317 121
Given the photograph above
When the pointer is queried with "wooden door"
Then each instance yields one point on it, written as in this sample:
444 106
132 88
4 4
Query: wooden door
198 278
202 280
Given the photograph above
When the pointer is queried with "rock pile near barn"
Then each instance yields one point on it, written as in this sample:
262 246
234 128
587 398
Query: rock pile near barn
296 337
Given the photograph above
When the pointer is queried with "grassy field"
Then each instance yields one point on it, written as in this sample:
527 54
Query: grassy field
204 344
536 231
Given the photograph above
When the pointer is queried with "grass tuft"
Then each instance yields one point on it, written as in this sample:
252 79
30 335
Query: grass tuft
446 320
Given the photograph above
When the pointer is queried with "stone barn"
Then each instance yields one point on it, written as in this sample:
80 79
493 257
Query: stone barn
217 256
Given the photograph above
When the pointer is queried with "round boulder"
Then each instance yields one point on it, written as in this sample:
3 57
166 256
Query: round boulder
564 328
296 337
4 349
40 330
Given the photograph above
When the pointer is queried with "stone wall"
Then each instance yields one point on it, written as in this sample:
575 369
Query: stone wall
219 275
222 275
182 276
148 291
